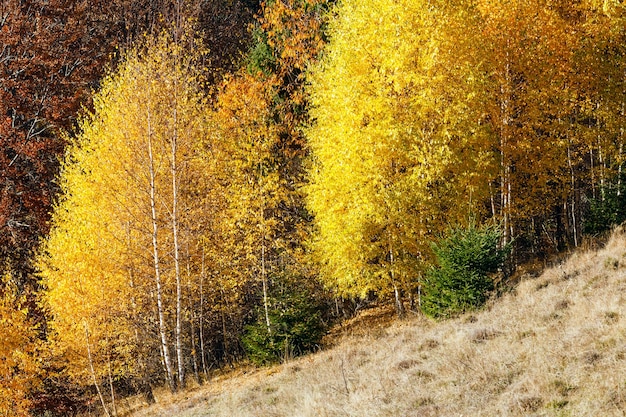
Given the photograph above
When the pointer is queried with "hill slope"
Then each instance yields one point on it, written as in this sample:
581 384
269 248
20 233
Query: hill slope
554 346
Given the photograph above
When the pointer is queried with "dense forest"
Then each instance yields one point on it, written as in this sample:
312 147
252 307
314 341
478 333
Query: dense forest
186 185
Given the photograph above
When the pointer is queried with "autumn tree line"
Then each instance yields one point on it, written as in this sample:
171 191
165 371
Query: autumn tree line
189 184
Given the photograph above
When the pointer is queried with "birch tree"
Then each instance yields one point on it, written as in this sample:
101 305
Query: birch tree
256 125
115 249
391 142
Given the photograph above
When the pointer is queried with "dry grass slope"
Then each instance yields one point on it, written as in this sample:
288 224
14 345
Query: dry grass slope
556 346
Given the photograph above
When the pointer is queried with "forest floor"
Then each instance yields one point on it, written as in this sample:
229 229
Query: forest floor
555 345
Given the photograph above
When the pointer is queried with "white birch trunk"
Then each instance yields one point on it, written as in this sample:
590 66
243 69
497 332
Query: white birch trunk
157 263
573 191
505 168
263 270
93 371
265 297
113 405
174 167
396 291
202 352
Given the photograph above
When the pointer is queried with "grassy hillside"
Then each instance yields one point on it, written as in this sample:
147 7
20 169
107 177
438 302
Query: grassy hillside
555 346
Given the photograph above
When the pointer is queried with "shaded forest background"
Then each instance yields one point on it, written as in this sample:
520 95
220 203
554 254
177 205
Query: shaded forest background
188 184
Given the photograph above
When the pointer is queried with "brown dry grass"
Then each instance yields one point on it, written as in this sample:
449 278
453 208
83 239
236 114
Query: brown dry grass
555 346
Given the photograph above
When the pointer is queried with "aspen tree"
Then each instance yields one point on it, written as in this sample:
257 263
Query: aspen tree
391 141
115 249
243 131
256 128
526 50
600 114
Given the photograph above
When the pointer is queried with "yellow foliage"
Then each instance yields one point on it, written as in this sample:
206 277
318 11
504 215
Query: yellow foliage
18 365
97 262
391 143
428 113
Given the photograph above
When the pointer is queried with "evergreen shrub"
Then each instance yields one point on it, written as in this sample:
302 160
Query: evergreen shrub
463 277
296 325
608 209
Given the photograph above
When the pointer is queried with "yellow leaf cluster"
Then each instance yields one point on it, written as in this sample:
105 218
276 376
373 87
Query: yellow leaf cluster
429 113
18 365
97 261
388 116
